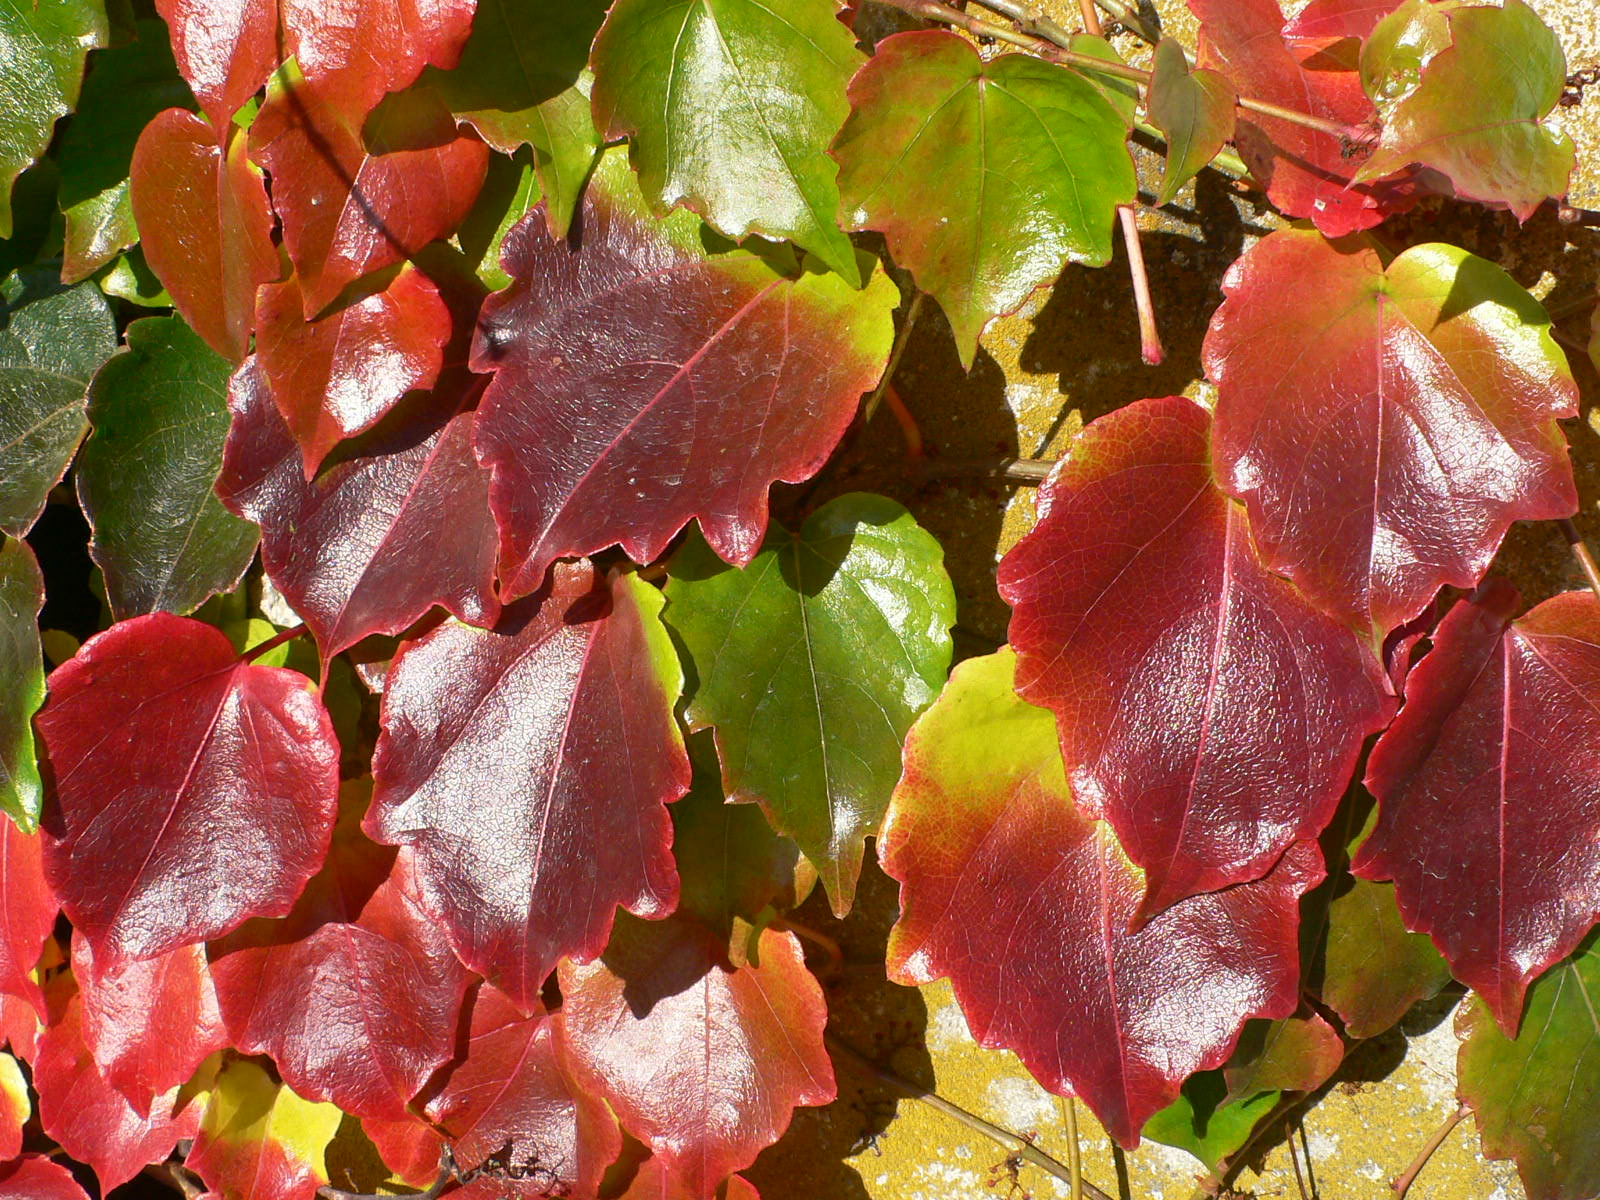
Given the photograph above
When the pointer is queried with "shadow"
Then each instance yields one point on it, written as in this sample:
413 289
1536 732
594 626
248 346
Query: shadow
884 1021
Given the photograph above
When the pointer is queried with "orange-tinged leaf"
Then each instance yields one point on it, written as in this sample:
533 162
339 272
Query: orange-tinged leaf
15 1108
260 1141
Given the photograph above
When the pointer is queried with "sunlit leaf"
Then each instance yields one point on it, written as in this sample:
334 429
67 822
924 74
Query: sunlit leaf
35 1177
1206 710
1386 426
22 667
1193 109
1030 160
260 1141
983 833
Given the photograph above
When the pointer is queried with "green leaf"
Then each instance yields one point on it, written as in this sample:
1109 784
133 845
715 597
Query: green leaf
812 662
1360 959
52 340
522 81
730 862
1537 1096
510 192
42 47
130 278
22 668
145 477
730 105
126 86
1294 1054
1203 1122
1193 109
986 178
1467 101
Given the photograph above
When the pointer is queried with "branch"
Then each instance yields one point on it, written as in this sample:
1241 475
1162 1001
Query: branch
1403 1184
1044 27
1015 1143
934 10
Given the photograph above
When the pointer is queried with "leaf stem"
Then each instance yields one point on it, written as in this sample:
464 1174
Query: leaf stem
1015 1143
835 964
1150 348
1074 1153
1580 551
288 635
934 10
1403 1184
898 352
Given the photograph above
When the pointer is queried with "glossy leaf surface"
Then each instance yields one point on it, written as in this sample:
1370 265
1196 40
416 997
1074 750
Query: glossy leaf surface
148 1023
1307 172
15 1107
338 375
1205 709
1193 109
640 383
22 666
355 53
812 662
355 993
354 199
1535 1095
729 106
666 1032
204 225
357 550
1031 160
146 473
52 340
511 1097
27 916
1203 1121
564 711
656 1181
90 1119
41 70
35 1177
1385 427
983 832
260 1141
126 87
523 80
193 791
1488 788
1460 111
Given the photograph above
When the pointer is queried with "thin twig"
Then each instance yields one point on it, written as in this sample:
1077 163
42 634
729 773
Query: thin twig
895 355
288 635
1091 20
1128 17
1027 21
1014 1143
1403 1184
1580 551
1074 1153
933 10
1212 1183
1028 472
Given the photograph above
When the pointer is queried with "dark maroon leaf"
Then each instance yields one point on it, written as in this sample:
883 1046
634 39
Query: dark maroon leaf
396 522
1205 708
563 712
334 377
192 790
668 1031
640 383
1488 787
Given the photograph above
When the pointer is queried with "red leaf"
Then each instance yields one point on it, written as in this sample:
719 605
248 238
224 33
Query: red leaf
227 48
34 1177
983 834
1324 22
20 1026
148 1023
511 1098
352 205
639 383
399 523
1488 788
15 1108
564 713
91 1120
355 994
1306 172
334 377
408 1146
1386 426
1205 709
205 226
653 1181
193 790
27 916
703 1063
